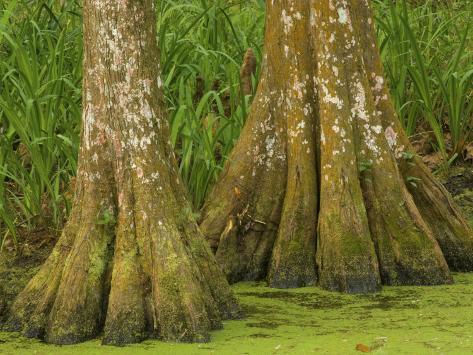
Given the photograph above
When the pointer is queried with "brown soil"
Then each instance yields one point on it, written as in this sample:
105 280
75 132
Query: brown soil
17 266
459 182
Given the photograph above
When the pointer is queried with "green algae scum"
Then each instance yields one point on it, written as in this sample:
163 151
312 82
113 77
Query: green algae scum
398 320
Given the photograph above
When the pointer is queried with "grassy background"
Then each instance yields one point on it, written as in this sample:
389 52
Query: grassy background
426 48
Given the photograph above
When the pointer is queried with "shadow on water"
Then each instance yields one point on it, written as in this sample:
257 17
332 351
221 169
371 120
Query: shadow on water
396 299
260 335
390 298
309 300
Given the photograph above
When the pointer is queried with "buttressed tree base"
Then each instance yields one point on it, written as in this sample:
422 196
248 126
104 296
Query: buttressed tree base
320 186
131 262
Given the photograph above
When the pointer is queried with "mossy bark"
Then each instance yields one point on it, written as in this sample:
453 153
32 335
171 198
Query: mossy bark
131 262
276 151
340 210
437 207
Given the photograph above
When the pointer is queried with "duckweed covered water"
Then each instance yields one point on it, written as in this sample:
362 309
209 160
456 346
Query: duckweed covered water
399 320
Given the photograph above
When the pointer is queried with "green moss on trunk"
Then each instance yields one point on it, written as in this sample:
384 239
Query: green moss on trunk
347 202
129 263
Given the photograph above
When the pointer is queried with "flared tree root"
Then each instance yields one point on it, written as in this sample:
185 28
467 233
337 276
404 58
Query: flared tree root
141 276
322 186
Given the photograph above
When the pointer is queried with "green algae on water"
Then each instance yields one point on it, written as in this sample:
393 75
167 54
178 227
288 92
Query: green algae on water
398 320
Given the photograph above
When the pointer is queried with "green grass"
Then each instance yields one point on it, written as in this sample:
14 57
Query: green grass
39 112
202 45
427 51
399 320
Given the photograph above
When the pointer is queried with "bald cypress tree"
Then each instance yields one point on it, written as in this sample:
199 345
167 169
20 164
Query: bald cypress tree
319 186
131 261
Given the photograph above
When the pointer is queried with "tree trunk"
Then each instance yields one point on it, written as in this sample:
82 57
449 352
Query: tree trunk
317 188
131 261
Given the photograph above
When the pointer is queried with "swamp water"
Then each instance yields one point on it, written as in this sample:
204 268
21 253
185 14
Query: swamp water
398 320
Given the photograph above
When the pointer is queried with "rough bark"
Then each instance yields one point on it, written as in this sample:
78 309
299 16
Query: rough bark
131 262
271 173
332 203
435 203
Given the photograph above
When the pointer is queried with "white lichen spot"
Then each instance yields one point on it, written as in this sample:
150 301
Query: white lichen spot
342 16
377 129
286 50
139 172
335 70
287 21
379 83
270 146
391 137
89 121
